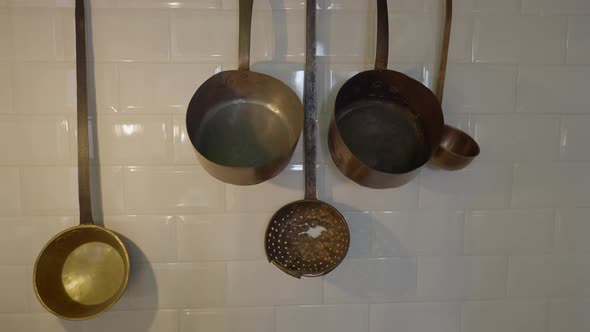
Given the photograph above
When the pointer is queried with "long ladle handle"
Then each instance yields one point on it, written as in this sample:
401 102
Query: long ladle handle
310 101
382 53
444 53
82 105
244 36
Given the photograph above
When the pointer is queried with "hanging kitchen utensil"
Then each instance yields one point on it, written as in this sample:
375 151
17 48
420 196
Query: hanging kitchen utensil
457 149
308 238
386 125
244 125
83 270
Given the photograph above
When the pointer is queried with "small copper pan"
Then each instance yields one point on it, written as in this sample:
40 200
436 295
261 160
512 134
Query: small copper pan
457 149
386 125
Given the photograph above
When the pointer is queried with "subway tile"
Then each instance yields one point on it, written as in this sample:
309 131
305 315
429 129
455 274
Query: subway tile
161 88
184 151
260 319
564 93
6 48
44 88
49 190
13 287
480 186
504 6
477 88
349 196
106 81
16 242
569 315
111 199
243 236
123 138
456 277
548 276
191 36
5 87
506 316
551 185
578 42
345 318
10 191
131 35
37 34
259 283
184 4
573 231
372 281
412 37
9 129
134 321
268 196
147 238
416 317
287 36
552 7
171 189
267 5
38 323
574 138
517 137
461 44
497 232
357 47
525 39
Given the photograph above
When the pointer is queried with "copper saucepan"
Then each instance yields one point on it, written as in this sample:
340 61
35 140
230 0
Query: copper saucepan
457 149
244 125
386 125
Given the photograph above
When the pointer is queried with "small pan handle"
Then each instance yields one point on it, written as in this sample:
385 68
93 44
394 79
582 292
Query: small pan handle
310 102
444 53
244 37
82 105
382 54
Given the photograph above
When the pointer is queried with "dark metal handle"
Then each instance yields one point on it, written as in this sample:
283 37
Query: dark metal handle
244 36
82 104
310 101
382 54
444 53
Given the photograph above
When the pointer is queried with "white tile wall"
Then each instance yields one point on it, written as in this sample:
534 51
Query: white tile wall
501 246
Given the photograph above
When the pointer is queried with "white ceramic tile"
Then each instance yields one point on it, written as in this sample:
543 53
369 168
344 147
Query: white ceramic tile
371 281
573 230
5 88
525 39
134 321
510 137
349 196
131 35
552 7
416 317
106 81
259 283
9 129
578 42
184 151
10 191
287 35
37 34
412 37
171 189
111 199
200 4
6 49
242 234
564 93
574 136
496 232
15 242
267 5
148 238
456 277
161 88
478 88
461 47
551 185
504 316
504 6
345 318
14 283
191 36
37 323
358 29
480 186
268 196
229 320
569 315
49 190
44 88
395 6
542 276
123 139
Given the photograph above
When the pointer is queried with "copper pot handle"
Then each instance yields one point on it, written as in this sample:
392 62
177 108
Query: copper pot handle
244 34
382 53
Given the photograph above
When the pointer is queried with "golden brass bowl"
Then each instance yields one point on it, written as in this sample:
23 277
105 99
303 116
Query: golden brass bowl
81 272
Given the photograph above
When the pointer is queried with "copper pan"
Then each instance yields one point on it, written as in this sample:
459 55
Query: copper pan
386 125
